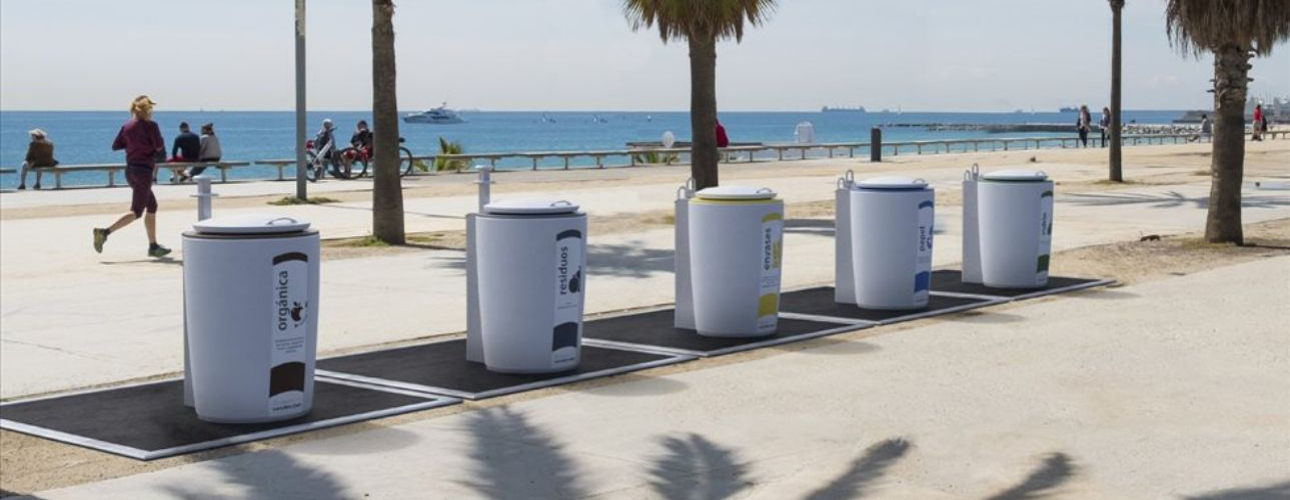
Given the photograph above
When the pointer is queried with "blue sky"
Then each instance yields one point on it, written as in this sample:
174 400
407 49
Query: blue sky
982 55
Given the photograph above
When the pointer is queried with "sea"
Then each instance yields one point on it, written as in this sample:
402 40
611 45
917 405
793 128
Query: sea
82 137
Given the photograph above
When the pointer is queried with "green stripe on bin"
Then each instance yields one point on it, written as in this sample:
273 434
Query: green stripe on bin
1043 264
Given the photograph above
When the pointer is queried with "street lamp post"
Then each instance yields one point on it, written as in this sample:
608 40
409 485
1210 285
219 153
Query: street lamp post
301 181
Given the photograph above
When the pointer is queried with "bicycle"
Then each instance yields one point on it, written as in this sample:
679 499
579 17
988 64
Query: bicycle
352 162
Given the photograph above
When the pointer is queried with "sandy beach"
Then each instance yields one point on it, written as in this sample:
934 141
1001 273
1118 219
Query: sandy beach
74 319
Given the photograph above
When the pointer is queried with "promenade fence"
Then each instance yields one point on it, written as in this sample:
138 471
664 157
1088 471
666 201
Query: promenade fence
564 160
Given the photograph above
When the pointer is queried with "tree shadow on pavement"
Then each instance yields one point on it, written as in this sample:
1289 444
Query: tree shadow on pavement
865 470
811 227
630 260
1278 491
1042 482
267 475
1172 199
694 468
515 459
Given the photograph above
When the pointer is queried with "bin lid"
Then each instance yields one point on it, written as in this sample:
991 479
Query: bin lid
531 206
1016 175
251 224
892 182
736 193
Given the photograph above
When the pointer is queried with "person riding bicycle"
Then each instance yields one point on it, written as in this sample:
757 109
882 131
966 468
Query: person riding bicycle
324 142
361 142
362 138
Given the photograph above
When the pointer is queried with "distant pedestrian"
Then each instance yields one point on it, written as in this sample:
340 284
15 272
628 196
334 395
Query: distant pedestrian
141 139
1082 125
722 139
1257 132
1206 127
185 149
40 155
1104 125
209 152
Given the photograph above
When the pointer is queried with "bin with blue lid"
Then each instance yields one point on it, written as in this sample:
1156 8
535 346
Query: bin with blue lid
891 242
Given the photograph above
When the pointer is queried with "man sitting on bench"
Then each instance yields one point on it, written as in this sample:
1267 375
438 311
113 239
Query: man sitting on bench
186 148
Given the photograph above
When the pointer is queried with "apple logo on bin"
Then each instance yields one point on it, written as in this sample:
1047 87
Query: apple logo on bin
297 312
575 283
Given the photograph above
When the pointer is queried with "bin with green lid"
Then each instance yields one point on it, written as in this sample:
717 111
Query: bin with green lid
1015 223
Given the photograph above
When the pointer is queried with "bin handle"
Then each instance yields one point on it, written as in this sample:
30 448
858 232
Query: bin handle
765 190
972 173
562 203
280 219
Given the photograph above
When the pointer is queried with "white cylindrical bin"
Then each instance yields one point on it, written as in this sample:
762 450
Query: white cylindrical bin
1015 220
532 279
251 308
891 239
736 251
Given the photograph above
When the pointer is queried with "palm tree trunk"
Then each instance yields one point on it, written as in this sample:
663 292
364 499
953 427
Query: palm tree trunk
387 190
703 111
1231 72
1116 174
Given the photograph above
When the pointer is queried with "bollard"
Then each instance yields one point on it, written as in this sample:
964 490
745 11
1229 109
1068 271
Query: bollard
474 344
203 196
875 144
485 179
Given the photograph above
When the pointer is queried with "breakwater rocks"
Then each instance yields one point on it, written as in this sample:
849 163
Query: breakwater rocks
1004 128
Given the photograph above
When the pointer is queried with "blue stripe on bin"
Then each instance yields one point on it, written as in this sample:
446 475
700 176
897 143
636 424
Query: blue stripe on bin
922 281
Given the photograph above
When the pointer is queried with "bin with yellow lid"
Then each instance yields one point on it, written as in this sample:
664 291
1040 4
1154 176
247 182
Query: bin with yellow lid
736 252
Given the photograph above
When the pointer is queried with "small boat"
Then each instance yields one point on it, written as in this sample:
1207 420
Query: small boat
440 115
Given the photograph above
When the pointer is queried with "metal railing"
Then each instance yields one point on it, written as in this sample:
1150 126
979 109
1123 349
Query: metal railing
564 160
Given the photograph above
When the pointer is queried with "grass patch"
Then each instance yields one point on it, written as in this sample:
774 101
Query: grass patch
1126 182
1193 244
368 241
292 200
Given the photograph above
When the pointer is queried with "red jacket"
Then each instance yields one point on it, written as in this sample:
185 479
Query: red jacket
722 140
140 139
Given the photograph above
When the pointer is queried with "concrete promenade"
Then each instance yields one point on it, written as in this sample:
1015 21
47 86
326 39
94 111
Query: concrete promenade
1170 388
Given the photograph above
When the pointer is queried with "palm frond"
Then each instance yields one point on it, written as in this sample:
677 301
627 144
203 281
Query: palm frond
1199 26
699 19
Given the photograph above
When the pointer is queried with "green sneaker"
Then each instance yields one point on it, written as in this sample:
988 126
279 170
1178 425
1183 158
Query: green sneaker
100 237
156 250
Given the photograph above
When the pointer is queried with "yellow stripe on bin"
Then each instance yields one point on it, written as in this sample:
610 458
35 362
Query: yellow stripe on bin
768 305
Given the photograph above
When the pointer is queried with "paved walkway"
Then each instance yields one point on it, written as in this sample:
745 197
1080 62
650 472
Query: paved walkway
1172 389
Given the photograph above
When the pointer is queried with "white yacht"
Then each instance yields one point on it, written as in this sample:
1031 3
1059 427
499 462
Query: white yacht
440 115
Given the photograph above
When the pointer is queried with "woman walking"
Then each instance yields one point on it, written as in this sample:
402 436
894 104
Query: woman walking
141 139
1082 125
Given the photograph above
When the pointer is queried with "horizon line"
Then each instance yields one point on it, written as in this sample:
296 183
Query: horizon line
480 110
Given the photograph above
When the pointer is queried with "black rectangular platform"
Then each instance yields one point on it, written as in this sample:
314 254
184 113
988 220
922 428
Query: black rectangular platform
655 330
819 302
150 421
441 368
949 281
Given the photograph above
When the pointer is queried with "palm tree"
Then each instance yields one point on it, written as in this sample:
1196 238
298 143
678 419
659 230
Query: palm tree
701 23
1233 31
387 190
1116 173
